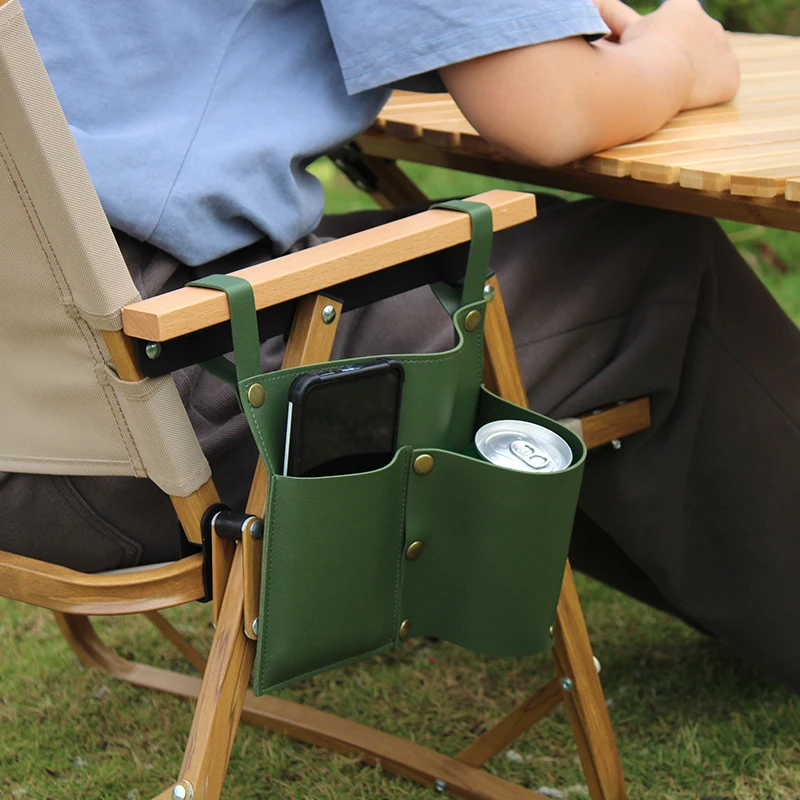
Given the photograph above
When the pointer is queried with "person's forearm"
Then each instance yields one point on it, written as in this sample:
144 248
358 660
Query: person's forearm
560 101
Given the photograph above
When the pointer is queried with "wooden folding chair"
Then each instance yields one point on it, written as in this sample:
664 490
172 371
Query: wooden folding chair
70 307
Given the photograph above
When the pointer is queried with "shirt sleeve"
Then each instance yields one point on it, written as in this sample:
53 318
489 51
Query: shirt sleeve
381 42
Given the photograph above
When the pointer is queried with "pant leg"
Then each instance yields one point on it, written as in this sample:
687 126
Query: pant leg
705 503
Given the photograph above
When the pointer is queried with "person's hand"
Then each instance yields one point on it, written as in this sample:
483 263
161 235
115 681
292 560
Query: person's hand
617 15
703 42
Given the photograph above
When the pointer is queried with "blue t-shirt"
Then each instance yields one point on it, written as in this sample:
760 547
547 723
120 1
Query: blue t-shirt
197 119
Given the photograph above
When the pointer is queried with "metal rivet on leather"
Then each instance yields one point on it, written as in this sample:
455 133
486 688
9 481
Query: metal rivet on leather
552 631
414 550
255 395
423 464
473 319
405 629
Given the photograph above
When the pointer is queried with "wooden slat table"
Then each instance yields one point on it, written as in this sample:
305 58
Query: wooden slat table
739 161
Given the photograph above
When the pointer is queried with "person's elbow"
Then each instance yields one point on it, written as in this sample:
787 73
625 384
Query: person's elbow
545 142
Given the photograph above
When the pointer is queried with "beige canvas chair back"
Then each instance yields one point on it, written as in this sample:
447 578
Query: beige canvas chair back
63 410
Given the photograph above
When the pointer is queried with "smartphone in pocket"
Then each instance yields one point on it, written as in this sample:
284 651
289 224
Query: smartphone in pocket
343 420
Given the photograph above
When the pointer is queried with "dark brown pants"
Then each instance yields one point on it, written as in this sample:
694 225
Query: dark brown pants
698 515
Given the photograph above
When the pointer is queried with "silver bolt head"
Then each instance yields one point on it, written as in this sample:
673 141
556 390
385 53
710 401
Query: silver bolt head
182 791
567 685
257 530
440 785
488 293
328 314
254 627
616 444
152 350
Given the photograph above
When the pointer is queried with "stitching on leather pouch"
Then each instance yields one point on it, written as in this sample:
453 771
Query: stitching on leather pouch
398 569
272 504
260 436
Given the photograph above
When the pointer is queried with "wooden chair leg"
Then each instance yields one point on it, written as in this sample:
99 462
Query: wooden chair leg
169 632
583 694
93 653
190 509
527 713
222 694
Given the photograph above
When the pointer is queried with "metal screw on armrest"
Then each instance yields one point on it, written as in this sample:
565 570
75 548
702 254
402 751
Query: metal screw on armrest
488 293
183 791
257 530
328 314
152 350
440 785
567 685
616 444
254 627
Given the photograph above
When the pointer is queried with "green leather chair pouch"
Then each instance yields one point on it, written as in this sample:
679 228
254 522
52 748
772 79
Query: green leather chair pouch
338 584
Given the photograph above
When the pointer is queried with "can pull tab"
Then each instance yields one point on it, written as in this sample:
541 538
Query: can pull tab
531 455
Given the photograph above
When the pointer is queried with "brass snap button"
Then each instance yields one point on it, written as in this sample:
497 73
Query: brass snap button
414 550
473 319
255 395
405 629
423 464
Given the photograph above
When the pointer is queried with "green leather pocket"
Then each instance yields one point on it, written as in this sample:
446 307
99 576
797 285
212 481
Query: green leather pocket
332 571
494 545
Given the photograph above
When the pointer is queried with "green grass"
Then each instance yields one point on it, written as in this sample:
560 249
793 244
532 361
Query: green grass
691 718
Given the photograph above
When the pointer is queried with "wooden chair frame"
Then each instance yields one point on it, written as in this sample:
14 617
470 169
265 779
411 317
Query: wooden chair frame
222 694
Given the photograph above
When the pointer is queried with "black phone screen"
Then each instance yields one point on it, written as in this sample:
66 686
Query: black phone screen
344 421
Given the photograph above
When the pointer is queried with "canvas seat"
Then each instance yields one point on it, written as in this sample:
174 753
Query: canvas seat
75 401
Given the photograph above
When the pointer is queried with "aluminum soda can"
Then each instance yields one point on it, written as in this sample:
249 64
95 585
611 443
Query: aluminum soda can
523 446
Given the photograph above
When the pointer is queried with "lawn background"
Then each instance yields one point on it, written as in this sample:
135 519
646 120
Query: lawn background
691 718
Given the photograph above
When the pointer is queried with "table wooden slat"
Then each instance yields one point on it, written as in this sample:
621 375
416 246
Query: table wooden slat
749 148
661 163
667 168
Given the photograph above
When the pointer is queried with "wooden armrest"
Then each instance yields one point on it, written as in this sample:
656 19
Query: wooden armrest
191 309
